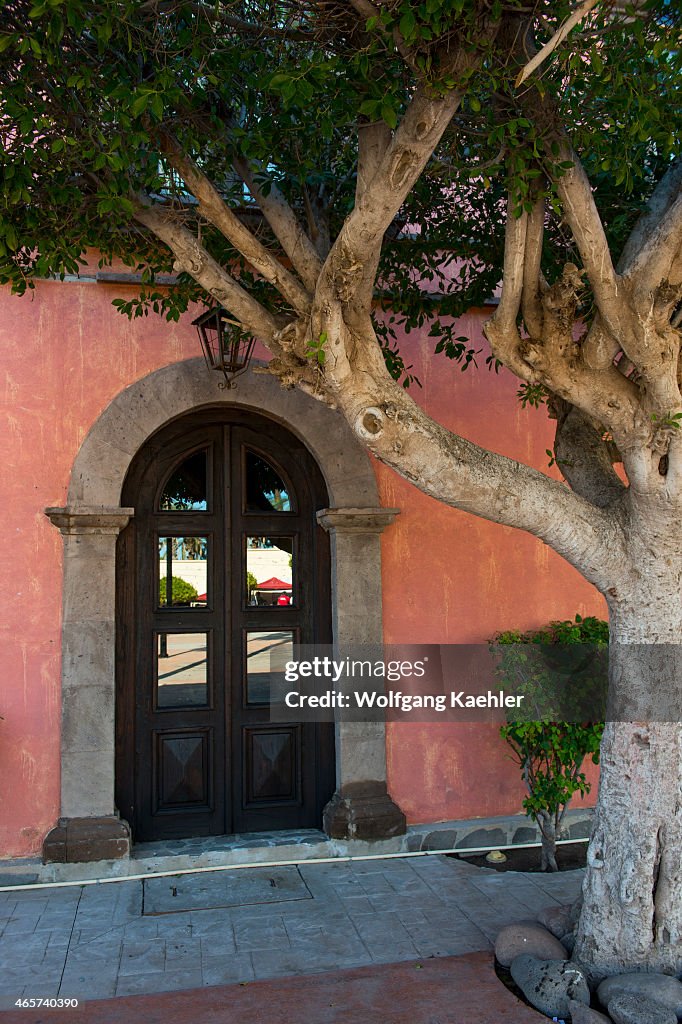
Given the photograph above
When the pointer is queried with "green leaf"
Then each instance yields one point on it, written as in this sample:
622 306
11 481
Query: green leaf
389 115
407 25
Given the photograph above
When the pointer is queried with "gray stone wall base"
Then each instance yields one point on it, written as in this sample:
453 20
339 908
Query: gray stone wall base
363 810
81 840
514 830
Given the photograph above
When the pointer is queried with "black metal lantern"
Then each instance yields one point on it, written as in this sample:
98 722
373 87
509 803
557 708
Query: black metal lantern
226 346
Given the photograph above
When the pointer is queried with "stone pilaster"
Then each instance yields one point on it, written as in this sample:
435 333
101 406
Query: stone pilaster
89 828
361 807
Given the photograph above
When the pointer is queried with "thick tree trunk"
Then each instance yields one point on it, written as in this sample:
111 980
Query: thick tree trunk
632 912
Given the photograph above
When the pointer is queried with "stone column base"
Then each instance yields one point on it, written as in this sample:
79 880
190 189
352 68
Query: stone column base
87 839
363 810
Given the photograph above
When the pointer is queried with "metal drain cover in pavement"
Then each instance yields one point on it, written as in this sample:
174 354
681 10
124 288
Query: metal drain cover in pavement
209 890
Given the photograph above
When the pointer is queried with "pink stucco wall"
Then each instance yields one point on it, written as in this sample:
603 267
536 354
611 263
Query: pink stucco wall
66 353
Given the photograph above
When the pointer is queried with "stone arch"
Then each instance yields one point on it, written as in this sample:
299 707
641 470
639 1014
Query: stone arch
89 828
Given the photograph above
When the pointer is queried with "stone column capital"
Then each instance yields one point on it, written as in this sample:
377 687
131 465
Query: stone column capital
87 519
356 520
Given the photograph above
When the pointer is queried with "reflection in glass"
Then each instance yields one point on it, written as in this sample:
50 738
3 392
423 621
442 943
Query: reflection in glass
183 578
269 571
182 677
267 652
266 491
185 489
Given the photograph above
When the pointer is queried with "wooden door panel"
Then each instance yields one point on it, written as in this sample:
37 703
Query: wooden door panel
196 754
272 765
183 770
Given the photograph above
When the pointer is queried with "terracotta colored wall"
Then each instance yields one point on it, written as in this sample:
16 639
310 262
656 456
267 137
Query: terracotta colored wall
66 353
470 581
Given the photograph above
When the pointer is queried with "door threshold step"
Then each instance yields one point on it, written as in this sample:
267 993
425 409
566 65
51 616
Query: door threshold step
205 853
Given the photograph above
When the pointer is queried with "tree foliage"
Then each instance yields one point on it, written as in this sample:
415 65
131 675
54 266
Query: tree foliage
182 592
92 93
551 754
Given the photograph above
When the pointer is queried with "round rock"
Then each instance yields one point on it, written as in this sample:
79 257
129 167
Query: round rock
527 937
631 1008
550 985
660 988
556 919
581 1014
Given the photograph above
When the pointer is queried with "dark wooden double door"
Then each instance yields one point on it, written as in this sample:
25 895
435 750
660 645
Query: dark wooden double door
221 575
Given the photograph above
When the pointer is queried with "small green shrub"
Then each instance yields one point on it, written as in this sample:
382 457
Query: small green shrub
550 754
182 592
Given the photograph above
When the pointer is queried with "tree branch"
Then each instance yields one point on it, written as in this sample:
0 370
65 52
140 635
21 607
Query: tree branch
541 56
213 207
465 476
373 142
501 330
285 225
661 199
652 263
534 283
347 267
583 458
582 216
193 259
366 9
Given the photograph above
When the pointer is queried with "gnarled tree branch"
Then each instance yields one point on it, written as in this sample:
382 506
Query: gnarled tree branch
534 284
285 225
582 216
213 207
583 457
192 258
661 199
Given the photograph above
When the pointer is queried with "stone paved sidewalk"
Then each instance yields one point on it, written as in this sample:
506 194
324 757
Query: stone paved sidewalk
95 941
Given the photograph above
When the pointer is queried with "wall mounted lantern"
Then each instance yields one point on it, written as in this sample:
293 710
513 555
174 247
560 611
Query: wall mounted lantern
226 346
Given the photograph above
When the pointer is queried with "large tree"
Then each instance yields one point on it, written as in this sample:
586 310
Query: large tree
328 171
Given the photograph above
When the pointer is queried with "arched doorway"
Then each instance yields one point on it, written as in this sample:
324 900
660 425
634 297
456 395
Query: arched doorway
92 825
222 573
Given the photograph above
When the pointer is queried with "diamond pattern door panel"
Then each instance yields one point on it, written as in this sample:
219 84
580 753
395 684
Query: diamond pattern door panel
183 770
272 764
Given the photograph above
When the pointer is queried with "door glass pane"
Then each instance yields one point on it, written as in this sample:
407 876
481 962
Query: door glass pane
182 676
183 577
267 652
269 571
266 489
185 490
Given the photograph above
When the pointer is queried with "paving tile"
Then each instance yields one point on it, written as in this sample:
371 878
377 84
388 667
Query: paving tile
280 963
30 908
52 922
141 983
94 954
260 935
138 930
204 922
227 970
143 957
183 950
19 926
217 945
24 951
87 986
